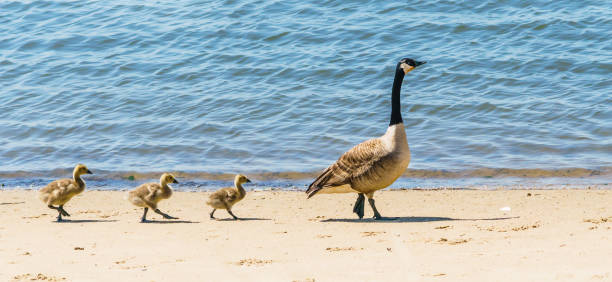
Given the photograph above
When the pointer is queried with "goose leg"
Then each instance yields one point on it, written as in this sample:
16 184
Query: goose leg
359 205
232 214
212 214
64 212
144 215
166 216
229 210
59 216
376 213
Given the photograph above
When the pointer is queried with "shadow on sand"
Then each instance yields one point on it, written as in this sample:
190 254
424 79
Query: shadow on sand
413 219
169 221
85 220
240 219
13 203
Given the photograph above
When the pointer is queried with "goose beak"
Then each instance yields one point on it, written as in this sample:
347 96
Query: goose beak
248 180
89 172
417 63
175 181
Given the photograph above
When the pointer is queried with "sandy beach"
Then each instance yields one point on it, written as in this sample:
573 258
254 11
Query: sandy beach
439 235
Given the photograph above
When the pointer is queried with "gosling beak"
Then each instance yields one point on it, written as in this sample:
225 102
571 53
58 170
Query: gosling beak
248 180
175 181
89 172
417 63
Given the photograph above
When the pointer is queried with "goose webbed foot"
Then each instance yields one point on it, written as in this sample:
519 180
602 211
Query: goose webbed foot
59 217
359 205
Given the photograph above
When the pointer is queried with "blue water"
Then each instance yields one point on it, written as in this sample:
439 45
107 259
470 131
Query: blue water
287 86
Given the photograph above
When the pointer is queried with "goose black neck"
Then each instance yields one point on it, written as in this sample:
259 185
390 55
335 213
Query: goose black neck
396 108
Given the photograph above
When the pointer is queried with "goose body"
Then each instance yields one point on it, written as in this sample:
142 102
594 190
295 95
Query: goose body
374 164
370 166
226 198
149 194
59 192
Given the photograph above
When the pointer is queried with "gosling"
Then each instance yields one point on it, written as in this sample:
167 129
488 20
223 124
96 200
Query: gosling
149 194
227 197
59 192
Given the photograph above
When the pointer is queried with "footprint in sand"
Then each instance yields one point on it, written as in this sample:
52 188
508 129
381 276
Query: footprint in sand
372 233
453 242
598 220
339 249
36 277
253 262
305 280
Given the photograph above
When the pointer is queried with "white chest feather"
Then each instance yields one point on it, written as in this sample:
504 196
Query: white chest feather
395 140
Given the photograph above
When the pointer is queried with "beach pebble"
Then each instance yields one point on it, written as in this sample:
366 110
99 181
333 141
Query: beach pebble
505 209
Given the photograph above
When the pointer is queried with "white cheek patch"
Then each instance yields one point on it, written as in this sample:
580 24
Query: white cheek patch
406 67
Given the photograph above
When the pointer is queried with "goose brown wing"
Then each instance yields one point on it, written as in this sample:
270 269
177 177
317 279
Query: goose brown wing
353 164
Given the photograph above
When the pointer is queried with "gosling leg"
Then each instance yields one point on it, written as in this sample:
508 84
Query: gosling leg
59 216
232 214
212 214
229 210
166 216
64 212
144 215
359 206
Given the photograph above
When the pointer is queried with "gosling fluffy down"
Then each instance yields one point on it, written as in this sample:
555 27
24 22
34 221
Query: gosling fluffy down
59 192
227 197
149 194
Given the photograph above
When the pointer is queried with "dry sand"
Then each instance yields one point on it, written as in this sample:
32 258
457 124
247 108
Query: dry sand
443 235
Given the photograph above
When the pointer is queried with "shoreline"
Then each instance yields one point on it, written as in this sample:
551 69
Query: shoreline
451 235
115 181
483 172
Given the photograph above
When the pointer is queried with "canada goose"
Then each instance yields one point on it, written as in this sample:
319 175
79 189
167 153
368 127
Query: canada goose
225 198
149 194
375 163
61 191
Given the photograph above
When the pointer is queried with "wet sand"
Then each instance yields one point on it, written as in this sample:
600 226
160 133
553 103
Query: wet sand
442 235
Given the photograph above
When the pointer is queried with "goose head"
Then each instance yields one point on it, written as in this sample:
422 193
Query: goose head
167 178
407 64
81 169
241 179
